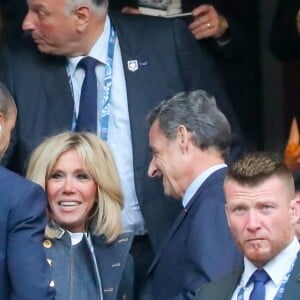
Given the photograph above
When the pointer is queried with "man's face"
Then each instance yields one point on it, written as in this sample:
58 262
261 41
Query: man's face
51 27
165 162
261 218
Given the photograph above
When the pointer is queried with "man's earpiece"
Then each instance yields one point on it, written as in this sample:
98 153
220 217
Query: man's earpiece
0 128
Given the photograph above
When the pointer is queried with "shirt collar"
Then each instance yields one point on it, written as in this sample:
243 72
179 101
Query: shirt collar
278 267
98 51
198 181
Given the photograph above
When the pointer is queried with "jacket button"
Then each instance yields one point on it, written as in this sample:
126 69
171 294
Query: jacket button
298 278
52 284
47 244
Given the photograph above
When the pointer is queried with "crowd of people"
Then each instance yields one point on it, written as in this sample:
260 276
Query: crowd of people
88 212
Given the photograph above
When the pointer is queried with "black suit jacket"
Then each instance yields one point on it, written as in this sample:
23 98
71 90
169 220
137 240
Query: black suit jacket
224 288
170 61
199 247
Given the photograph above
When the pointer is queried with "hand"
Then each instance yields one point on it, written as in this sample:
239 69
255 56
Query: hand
130 10
207 22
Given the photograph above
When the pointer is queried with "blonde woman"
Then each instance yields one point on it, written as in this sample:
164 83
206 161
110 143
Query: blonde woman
88 255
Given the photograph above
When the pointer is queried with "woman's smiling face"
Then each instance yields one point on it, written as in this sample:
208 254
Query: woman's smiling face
71 192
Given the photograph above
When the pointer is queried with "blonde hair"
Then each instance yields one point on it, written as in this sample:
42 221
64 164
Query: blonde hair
100 164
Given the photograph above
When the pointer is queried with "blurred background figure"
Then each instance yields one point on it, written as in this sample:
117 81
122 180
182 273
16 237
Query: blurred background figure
88 255
285 46
12 12
22 223
292 148
285 33
284 43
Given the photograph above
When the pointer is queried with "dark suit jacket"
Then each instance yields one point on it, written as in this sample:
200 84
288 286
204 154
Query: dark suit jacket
237 61
285 38
24 274
199 247
170 61
224 288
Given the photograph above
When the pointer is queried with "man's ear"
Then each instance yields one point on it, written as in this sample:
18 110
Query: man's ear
182 136
295 209
82 15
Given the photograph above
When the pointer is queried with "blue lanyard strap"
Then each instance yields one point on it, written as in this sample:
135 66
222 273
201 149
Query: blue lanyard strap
105 112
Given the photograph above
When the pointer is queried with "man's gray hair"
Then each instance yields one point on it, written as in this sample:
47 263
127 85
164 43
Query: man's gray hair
98 6
7 103
198 112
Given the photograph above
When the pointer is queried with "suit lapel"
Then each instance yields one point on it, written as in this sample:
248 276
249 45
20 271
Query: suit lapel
172 231
230 285
292 290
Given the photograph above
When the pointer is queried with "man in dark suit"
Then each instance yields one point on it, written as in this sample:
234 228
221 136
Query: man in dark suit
153 60
261 212
24 273
189 138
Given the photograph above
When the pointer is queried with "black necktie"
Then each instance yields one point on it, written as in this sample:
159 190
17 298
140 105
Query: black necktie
259 278
87 116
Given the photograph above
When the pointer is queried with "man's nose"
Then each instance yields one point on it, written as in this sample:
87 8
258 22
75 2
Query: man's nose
253 222
28 24
152 169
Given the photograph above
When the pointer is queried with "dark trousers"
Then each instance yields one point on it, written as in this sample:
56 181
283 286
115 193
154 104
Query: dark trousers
142 253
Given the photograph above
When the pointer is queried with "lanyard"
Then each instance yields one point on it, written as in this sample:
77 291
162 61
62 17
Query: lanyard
103 117
281 289
105 113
